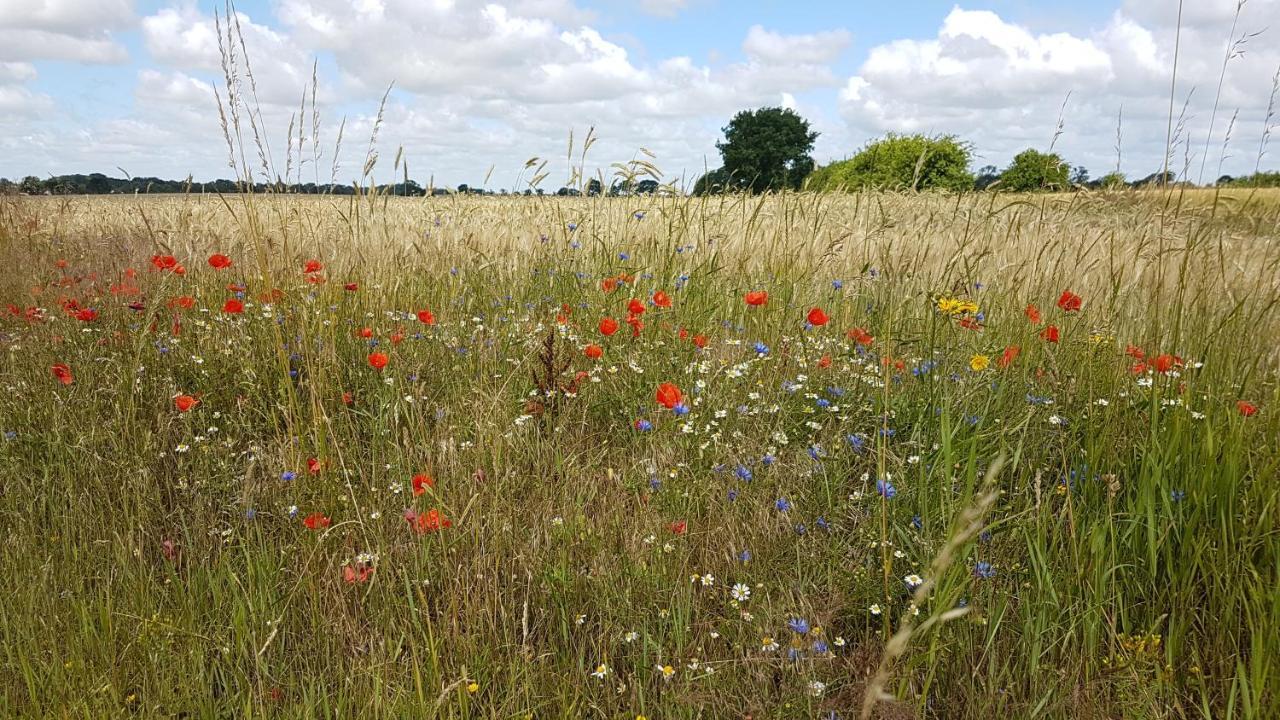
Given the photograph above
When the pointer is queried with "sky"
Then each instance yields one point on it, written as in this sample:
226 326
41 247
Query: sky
479 88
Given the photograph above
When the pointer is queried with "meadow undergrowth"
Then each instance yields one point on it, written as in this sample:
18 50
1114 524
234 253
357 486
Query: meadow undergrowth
385 457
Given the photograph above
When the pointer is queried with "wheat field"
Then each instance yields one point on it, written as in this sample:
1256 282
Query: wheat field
797 455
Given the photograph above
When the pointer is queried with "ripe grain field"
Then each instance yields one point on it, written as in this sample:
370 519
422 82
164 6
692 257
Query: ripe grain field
799 455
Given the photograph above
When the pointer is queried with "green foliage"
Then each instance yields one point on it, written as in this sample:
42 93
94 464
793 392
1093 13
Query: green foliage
767 149
1112 181
1257 180
1033 171
901 162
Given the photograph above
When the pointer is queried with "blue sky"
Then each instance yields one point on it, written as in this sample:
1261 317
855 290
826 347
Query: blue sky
94 85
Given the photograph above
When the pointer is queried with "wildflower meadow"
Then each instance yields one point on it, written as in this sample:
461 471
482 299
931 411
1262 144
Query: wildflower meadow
798 455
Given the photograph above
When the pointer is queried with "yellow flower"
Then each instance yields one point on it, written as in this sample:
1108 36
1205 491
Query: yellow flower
473 687
978 363
966 306
947 305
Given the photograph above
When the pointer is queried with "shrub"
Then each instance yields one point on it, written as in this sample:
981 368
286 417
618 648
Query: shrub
901 162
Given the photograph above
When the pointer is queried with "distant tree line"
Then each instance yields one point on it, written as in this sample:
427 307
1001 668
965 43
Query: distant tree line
99 184
769 149
763 150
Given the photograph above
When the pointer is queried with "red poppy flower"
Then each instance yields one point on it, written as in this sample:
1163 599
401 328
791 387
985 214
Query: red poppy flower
164 262
824 362
348 398
679 527
397 336
1166 362
635 307
817 317
186 302
426 317
429 521
608 326
609 284
1246 408
314 466
218 261
377 360
756 297
312 266
421 482
1135 352
1008 356
184 403
351 287
595 352
62 373
365 333
1138 368
317 521
636 325
1033 314
233 306
661 299
352 575
668 395
1069 301
860 336
683 334
700 341
1050 334
87 315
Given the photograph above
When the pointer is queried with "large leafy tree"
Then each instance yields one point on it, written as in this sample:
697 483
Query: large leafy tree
901 162
767 149
1032 171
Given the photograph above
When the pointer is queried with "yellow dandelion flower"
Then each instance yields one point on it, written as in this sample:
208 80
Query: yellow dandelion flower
978 363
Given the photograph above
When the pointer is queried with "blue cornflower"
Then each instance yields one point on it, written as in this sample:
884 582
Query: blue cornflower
624 256
288 475
743 473
573 226
644 425
917 523
768 460
733 496
680 410
654 482
820 647
798 625
837 284
250 514
1177 495
761 348
822 523
744 556
984 570
782 504
801 529
824 403
886 489
857 442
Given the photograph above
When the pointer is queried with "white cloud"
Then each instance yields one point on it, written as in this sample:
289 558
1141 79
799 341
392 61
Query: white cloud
77 30
1003 86
186 39
816 49
663 8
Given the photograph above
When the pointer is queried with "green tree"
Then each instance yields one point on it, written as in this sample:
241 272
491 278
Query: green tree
1032 171
594 187
767 149
901 162
1113 181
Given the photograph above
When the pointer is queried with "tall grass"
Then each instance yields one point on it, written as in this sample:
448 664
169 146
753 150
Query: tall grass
1130 548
